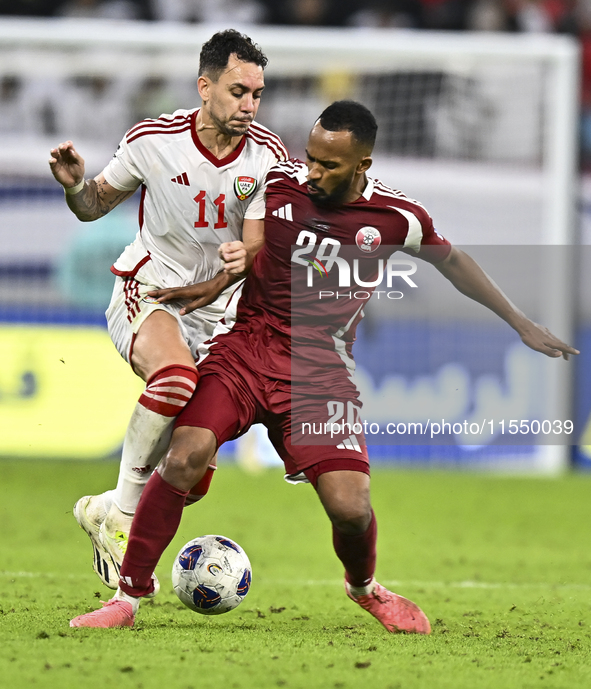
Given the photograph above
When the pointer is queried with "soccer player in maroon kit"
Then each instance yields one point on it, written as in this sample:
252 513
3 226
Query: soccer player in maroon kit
280 353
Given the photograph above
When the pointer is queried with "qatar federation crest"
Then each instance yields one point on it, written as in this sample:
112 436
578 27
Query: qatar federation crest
244 187
368 239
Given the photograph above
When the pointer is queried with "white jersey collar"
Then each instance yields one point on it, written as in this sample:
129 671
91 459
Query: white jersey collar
368 191
302 174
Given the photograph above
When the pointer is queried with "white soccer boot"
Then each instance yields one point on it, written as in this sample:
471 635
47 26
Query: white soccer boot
90 512
113 537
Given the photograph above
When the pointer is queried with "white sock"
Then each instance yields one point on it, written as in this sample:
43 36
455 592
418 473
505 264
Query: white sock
132 600
146 440
357 591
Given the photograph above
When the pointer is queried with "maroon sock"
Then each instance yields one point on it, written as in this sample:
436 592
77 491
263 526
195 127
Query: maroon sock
357 553
154 525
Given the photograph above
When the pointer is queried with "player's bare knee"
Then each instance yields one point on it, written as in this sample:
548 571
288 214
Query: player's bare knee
159 343
346 499
351 522
349 512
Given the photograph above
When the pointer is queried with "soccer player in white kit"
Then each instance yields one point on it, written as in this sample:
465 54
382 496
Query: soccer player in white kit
201 174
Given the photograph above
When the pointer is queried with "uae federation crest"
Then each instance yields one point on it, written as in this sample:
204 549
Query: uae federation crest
368 239
244 187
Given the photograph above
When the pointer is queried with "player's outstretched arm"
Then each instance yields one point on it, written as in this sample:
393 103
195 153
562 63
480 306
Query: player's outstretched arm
197 295
201 294
469 278
87 199
237 256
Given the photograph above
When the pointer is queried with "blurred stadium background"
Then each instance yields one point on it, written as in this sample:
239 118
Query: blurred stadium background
484 108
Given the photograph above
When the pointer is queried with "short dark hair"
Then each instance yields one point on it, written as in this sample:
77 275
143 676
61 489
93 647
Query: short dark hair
350 116
216 52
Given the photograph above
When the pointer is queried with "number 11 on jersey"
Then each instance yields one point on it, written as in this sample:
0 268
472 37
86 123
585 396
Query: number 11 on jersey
220 202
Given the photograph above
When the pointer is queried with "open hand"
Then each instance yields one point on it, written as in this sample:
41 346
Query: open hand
542 340
66 164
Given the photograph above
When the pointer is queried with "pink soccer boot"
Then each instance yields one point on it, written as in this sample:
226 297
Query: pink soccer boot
114 613
396 613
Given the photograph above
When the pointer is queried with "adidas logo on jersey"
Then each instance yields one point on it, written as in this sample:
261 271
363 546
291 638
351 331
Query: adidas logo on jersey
284 213
350 443
181 179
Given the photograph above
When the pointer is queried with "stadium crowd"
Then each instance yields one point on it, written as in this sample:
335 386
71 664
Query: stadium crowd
572 17
567 16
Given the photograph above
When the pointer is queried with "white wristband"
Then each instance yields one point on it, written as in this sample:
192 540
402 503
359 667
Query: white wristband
69 191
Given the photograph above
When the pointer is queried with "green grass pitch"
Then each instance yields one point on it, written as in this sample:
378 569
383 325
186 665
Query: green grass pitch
502 567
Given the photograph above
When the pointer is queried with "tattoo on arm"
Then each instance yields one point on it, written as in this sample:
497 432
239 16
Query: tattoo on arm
95 200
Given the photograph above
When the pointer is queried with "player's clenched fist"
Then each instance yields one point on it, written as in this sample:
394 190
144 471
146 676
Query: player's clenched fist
234 255
66 164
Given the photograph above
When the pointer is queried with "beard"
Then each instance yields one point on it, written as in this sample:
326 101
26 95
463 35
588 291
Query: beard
335 198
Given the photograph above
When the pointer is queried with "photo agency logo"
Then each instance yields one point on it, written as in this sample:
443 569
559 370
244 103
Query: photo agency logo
335 271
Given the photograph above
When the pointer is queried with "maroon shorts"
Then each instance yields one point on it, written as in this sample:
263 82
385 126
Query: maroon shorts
231 397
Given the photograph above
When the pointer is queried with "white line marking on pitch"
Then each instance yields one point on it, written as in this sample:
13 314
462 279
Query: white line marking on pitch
338 582
433 584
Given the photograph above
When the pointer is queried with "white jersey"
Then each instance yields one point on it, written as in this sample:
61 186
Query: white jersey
191 201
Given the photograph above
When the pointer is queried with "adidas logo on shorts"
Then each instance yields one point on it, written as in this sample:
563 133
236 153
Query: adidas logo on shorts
350 443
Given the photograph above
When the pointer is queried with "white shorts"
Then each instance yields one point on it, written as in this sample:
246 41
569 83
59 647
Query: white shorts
130 306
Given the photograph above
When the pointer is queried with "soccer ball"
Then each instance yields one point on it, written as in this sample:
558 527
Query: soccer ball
211 575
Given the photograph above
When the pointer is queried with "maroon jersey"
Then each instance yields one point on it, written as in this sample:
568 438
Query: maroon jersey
294 318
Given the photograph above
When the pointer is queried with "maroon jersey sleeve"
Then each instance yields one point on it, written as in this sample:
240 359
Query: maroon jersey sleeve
420 238
434 246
